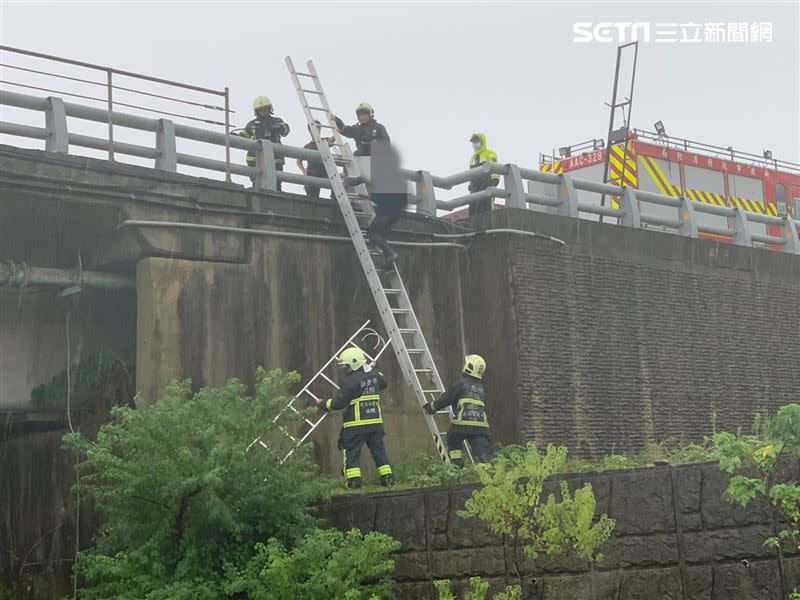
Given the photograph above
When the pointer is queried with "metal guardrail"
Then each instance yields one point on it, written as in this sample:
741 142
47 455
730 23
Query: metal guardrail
564 201
676 143
111 88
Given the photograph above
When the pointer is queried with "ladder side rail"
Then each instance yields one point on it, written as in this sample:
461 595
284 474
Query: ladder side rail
346 154
319 373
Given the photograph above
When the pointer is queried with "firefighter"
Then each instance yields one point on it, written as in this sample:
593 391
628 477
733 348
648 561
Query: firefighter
480 155
365 132
313 168
466 397
265 127
359 396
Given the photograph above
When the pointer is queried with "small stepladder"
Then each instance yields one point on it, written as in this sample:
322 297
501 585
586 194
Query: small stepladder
386 285
365 331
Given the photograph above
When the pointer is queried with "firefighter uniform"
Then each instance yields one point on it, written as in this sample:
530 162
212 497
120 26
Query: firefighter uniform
314 168
265 127
466 397
362 423
481 154
363 133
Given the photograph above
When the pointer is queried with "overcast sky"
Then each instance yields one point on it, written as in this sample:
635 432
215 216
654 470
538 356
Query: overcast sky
435 72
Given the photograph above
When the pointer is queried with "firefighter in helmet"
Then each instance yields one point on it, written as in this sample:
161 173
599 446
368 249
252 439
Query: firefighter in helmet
366 131
469 424
265 126
362 422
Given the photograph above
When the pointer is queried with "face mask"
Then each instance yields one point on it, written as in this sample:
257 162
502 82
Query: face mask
476 146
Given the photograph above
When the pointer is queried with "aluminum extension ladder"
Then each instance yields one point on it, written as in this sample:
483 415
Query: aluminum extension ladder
386 285
365 331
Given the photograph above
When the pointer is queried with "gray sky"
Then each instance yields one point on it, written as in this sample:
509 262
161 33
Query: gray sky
435 72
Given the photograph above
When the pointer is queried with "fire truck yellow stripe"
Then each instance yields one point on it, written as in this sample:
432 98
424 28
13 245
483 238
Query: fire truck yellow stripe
630 161
650 167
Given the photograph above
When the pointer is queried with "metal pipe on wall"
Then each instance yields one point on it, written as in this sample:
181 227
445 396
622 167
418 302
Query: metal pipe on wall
16 274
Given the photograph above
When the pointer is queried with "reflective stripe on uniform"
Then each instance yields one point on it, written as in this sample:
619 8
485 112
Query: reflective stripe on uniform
357 420
458 420
385 470
454 454
351 473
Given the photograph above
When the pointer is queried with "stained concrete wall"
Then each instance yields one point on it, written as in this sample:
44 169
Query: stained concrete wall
33 335
676 538
290 307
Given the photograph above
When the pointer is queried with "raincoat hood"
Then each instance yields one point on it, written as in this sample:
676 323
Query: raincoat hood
481 137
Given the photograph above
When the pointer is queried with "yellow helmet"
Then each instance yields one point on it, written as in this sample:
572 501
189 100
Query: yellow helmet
474 365
261 102
365 106
353 358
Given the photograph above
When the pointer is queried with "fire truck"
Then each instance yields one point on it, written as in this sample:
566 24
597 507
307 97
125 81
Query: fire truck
656 162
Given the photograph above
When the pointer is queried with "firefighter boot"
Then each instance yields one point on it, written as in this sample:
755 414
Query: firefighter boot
387 480
354 482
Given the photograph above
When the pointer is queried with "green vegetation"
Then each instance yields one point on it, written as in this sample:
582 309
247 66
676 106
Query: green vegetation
513 503
88 380
753 461
190 513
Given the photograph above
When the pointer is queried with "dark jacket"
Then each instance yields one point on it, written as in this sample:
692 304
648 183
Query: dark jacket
363 134
359 396
466 397
315 168
270 128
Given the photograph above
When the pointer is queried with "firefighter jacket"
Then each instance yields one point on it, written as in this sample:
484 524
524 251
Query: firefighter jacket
466 397
268 128
363 134
480 156
359 396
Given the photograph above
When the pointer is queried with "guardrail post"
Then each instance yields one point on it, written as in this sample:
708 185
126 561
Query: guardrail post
629 206
687 218
55 118
568 197
790 234
426 199
741 228
512 181
167 154
267 178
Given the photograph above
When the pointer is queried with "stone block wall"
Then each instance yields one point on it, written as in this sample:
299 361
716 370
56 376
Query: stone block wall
676 538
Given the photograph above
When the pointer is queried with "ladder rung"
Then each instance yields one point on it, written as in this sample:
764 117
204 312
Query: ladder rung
392 291
310 393
323 109
329 380
415 350
311 91
401 310
423 370
407 330
431 391
324 125
299 74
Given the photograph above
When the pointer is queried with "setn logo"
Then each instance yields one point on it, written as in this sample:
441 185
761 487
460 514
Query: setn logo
605 32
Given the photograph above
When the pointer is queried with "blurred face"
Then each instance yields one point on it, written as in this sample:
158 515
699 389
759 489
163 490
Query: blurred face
363 116
263 111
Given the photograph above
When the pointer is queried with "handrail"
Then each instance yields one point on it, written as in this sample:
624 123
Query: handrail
110 100
563 201
728 152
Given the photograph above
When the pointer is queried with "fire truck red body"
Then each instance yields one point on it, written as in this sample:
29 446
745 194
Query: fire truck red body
680 168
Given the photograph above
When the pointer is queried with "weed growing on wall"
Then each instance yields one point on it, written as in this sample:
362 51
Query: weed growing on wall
536 524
